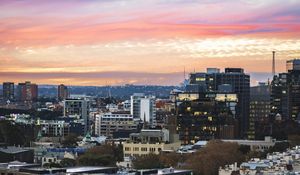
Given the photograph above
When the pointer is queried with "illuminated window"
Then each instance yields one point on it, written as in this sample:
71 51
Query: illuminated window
210 118
200 79
197 113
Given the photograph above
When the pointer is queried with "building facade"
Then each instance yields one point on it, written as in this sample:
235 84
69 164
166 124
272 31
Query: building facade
8 91
27 92
107 124
148 110
205 116
285 92
214 104
62 92
260 106
143 108
78 109
135 104
149 142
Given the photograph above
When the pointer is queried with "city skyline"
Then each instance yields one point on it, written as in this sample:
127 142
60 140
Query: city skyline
119 42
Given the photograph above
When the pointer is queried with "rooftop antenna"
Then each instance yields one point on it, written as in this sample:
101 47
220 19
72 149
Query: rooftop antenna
273 64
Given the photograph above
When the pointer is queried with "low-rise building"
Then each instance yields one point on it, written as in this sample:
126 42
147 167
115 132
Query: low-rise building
107 124
149 141
60 128
12 153
256 145
54 128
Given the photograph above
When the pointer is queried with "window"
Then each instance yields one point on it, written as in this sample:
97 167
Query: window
127 148
144 149
136 149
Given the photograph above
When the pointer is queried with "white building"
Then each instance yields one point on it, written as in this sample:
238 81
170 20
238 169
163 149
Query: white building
135 103
108 123
149 142
148 110
126 105
112 107
256 145
143 107
276 163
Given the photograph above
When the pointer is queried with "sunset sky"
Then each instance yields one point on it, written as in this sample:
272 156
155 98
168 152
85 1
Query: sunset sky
113 42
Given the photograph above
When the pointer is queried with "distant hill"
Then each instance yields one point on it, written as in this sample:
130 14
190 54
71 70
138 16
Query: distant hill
115 91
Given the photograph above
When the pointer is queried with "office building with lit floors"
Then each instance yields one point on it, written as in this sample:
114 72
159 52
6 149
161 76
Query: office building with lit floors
285 92
213 105
239 83
205 116
260 106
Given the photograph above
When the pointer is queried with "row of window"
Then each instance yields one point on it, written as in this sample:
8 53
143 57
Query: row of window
144 149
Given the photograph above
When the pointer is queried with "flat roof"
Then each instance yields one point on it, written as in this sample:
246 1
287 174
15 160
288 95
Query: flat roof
88 169
13 150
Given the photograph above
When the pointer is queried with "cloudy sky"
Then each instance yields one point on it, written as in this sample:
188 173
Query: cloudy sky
101 42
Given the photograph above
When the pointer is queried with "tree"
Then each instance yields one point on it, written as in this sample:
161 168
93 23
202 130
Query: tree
149 161
171 159
70 140
279 147
245 149
11 133
96 160
216 154
104 155
294 139
66 162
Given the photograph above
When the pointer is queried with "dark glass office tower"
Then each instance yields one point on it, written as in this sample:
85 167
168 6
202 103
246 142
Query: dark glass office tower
285 92
203 88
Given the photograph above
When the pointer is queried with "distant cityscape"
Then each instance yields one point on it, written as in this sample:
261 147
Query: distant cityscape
123 129
149 87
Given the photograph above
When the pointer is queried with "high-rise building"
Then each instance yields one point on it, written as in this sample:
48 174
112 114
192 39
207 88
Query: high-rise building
148 110
143 107
206 115
135 103
78 109
285 92
260 106
62 92
27 92
233 79
8 90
